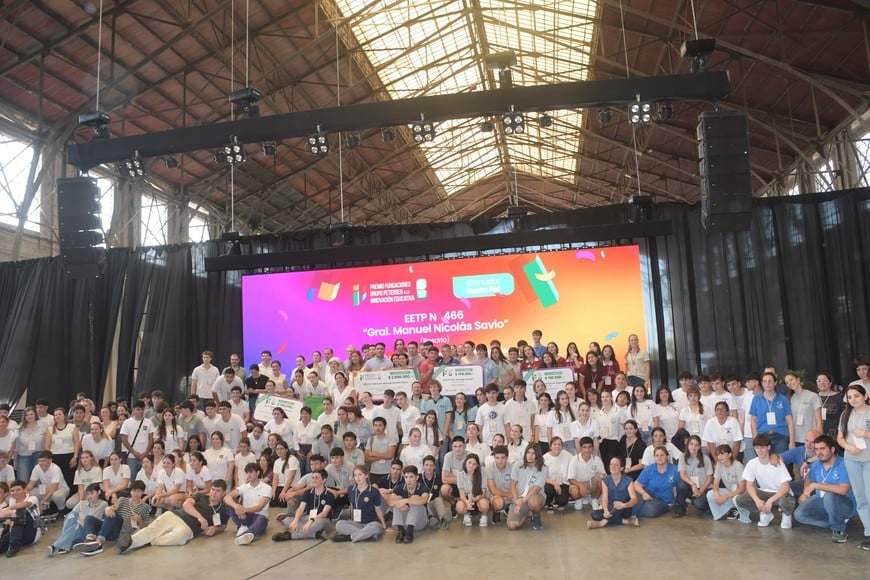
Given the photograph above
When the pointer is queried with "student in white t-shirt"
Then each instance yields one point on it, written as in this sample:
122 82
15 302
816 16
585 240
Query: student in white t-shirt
248 506
198 475
767 486
47 484
491 416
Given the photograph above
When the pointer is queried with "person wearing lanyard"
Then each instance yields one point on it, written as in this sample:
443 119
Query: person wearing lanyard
853 436
409 506
367 518
827 500
312 515
771 415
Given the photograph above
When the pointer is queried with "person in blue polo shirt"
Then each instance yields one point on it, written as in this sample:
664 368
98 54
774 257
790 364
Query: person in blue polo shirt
771 416
656 486
827 500
367 518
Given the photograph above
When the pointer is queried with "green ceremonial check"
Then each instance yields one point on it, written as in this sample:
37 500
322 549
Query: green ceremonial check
265 404
376 382
459 379
555 378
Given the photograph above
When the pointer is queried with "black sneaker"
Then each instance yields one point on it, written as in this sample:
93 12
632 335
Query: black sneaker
125 542
865 545
83 547
496 517
92 551
537 524
283 536
12 550
341 538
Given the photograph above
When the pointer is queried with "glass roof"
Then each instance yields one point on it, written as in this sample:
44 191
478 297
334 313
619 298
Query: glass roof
431 48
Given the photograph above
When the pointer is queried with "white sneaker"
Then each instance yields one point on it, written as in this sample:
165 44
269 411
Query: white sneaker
786 522
596 504
764 520
578 504
484 521
242 530
466 520
245 539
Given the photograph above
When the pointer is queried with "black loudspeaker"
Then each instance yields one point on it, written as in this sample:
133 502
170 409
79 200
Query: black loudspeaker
726 174
81 236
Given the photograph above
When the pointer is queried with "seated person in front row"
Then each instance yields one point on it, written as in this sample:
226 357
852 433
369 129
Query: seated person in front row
199 515
251 516
767 486
367 518
618 498
19 519
313 512
118 522
48 484
73 530
827 500
408 505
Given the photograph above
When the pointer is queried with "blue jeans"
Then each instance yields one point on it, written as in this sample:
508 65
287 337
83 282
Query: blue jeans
748 450
616 516
779 442
256 522
684 492
135 465
24 465
634 381
831 511
71 533
649 509
859 477
109 528
719 511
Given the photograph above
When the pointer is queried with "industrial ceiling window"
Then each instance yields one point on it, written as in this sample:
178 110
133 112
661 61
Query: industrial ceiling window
16 156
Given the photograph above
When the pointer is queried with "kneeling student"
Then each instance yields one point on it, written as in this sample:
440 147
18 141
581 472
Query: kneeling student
408 504
312 515
827 500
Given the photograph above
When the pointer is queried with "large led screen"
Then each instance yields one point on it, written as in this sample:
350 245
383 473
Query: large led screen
577 295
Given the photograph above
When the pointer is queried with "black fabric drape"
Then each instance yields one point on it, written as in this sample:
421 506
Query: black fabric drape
792 291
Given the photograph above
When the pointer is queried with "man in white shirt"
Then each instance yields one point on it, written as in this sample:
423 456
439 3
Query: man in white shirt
210 421
329 415
50 487
409 415
378 362
766 486
585 473
204 376
753 387
680 395
20 505
43 417
519 410
221 388
491 416
137 437
252 514
390 413
232 426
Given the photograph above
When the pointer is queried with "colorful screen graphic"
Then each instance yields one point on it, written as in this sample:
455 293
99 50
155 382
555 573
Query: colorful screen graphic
576 295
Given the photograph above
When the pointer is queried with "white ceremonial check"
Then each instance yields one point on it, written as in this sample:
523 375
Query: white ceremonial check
376 382
265 404
555 379
459 379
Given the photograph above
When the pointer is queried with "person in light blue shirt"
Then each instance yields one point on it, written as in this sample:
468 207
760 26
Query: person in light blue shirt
490 369
801 456
827 500
656 486
771 416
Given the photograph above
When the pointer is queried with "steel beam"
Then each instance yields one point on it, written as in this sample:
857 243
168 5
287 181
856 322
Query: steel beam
707 86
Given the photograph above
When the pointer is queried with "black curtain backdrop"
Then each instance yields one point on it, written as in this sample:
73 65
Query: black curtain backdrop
792 291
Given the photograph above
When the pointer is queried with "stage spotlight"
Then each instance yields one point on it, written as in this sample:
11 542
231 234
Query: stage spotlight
605 116
640 113
514 123
170 162
666 111
318 144
269 148
352 141
98 121
133 167
487 127
231 154
545 121
387 135
423 130
246 100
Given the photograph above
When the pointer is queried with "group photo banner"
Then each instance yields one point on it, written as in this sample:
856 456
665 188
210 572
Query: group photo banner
571 295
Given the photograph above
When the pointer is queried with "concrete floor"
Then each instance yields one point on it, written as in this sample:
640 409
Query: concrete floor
694 546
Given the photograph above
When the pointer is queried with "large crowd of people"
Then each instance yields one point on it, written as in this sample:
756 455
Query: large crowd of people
350 467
